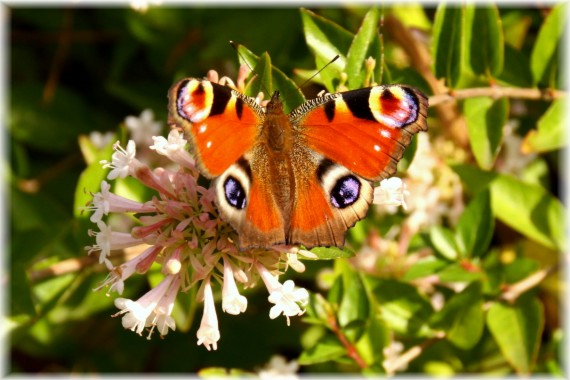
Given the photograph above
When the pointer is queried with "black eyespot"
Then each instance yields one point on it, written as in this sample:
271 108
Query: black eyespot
345 192
235 193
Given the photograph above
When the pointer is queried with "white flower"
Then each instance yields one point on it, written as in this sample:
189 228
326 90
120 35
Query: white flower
139 314
174 148
208 333
142 128
141 6
391 192
118 275
278 368
100 203
287 300
232 302
105 202
122 161
100 140
107 239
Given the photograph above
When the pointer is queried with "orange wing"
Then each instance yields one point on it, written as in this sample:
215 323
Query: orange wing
365 130
221 123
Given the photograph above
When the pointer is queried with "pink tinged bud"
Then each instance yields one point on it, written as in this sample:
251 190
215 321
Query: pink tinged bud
150 179
144 231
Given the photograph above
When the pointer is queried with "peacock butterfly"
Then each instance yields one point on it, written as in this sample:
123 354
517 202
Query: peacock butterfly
298 178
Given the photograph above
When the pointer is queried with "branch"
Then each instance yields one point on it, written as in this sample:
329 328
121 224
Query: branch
513 291
351 351
79 264
497 92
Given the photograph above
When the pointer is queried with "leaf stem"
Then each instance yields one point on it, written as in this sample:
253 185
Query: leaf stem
351 351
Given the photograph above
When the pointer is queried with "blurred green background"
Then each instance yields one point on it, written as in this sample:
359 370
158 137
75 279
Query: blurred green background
78 69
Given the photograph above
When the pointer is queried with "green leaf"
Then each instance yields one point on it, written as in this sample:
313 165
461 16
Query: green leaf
359 49
21 302
325 350
529 209
289 92
462 317
518 72
326 40
517 330
411 15
486 50
550 132
443 241
402 307
447 37
425 267
473 178
354 304
262 79
545 54
331 253
485 120
476 226
374 340
459 273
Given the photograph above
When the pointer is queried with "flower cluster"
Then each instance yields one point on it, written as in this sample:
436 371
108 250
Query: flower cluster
180 230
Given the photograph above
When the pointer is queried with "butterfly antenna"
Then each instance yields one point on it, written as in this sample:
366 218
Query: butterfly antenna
319 71
235 47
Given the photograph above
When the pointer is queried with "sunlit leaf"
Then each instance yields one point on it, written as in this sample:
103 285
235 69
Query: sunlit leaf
517 329
402 306
326 40
476 226
529 209
462 317
447 37
485 120
486 50
331 253
359 49
545 54
550 133
443 241
325 350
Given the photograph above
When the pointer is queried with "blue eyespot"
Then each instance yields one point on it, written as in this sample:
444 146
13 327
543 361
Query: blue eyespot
235 193
345 192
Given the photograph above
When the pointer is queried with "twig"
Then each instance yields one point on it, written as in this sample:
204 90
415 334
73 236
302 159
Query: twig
351 351
60 54
497 92
78 264
513 291
391 366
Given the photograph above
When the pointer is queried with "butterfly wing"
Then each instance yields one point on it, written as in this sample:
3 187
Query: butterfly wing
347 139
328 200
365 130
221 123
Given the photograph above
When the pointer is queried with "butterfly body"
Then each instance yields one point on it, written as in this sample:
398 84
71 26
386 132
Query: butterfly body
297 178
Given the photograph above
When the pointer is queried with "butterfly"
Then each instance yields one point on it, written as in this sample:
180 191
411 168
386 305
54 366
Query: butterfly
302 178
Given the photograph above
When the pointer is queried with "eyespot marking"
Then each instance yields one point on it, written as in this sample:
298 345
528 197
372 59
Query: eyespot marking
345 192
234 192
